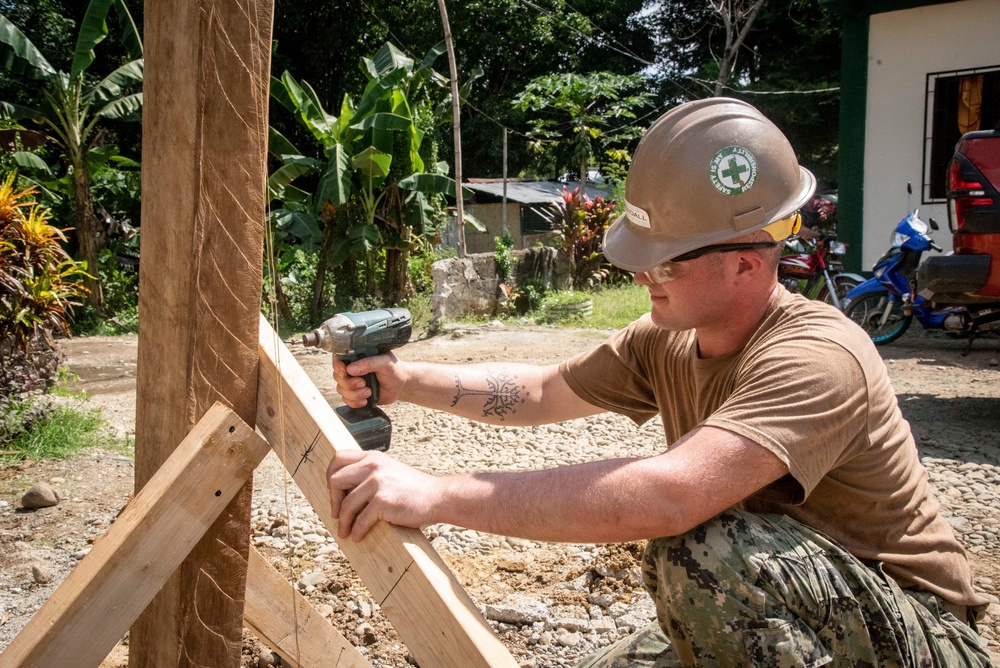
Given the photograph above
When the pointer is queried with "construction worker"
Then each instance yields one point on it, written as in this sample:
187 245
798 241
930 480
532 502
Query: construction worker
790 521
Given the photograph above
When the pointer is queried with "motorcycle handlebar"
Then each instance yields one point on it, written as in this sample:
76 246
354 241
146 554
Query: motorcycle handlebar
936 247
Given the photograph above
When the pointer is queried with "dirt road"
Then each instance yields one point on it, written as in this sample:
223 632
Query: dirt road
951 401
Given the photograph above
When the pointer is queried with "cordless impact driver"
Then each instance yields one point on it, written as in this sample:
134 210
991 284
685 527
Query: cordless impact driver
351 336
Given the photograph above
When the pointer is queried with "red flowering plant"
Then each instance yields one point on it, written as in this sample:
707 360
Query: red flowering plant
580 224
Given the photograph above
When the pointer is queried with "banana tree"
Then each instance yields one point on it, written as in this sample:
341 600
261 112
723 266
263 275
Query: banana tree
372 163
75 107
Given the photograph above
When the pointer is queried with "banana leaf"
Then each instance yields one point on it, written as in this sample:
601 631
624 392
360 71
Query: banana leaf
471 220
130 36
278 145
299 224
419 212
433 54
294 167
335 184
19 56
389 58
376 90
123 109
16 112
112 85
280 93
93 30
305 104
384 121
31 162
431 184
372 163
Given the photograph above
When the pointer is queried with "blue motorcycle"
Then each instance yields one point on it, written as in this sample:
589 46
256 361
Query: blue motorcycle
884 305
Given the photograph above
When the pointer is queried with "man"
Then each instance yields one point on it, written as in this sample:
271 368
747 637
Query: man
790 520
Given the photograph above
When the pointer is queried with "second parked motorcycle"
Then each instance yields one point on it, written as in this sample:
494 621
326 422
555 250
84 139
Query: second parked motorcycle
885 305
818 267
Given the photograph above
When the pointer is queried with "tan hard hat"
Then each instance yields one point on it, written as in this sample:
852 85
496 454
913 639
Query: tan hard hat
705 172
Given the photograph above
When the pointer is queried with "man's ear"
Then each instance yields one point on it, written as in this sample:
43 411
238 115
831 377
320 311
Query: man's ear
748 262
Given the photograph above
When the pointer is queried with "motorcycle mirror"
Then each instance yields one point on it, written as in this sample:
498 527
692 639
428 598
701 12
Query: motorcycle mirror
909 188
933 224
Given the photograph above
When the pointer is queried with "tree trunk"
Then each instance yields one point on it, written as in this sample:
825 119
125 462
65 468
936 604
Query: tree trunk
322 266
398 287
87 234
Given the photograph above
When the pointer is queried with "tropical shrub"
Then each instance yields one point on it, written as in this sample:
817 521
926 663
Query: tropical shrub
580 224
39 284
72 117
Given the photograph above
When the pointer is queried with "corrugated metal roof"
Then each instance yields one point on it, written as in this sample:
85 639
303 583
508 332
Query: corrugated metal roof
525 192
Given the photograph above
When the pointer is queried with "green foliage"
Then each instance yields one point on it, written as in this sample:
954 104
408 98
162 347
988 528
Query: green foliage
70 113
504 258
580 224
37 429
375 196
581 117
793 46
40 282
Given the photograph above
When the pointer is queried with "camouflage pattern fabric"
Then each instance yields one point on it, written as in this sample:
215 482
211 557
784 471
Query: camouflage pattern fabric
767 591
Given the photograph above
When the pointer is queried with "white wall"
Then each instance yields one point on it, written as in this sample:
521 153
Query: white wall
903 47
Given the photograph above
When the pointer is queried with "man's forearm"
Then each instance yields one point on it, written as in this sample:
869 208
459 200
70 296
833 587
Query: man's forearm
496 393
596 502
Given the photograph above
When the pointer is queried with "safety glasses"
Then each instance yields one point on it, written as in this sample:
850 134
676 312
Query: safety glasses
672 269
780 231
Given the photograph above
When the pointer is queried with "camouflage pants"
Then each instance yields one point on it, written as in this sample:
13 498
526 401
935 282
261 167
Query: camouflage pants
764 590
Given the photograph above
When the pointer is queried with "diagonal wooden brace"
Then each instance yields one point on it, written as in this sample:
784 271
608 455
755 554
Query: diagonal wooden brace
427 606
94 607
314 643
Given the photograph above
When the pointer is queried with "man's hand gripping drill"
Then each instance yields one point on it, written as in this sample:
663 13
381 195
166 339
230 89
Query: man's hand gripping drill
350 337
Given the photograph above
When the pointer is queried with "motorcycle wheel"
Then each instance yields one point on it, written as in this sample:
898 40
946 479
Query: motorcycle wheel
867 312
844 285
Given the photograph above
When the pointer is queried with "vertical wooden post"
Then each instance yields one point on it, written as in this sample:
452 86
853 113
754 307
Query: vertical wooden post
203 205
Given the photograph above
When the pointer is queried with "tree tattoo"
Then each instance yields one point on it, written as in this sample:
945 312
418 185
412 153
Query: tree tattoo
502 397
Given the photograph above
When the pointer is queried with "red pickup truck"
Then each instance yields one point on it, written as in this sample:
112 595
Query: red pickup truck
972 274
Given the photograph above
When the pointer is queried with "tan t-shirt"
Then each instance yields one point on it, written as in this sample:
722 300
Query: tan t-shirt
810 387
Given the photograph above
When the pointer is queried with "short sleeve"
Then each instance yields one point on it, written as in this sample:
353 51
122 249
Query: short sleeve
804 400
612 376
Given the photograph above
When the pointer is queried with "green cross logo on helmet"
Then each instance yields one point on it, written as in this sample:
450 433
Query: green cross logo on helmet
733 170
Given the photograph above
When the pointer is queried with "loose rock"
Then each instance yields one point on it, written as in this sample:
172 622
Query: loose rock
41 495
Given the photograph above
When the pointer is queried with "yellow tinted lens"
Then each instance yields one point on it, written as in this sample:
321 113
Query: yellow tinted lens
784 228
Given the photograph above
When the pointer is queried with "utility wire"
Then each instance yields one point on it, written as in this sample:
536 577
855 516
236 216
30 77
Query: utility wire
831 89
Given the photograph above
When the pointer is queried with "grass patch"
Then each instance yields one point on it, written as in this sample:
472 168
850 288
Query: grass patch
613 308
616 307
57 434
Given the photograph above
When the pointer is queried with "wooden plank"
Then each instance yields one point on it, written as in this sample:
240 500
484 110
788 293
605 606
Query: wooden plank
313 643
427 606
93 608
203 206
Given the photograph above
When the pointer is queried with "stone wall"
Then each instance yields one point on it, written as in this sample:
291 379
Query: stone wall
471 286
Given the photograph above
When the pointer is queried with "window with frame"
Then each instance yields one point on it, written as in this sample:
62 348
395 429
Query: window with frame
957 102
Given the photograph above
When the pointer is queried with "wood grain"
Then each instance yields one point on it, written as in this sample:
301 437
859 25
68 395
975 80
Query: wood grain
427 606
313 642
203 205
92 609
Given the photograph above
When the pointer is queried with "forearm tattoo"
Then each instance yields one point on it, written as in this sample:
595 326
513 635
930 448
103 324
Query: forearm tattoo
502 397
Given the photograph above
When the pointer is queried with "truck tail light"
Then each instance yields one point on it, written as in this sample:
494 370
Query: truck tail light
963 194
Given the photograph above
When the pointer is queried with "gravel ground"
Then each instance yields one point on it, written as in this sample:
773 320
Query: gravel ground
551 604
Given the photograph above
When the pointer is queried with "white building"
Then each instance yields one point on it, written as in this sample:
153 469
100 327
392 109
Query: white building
915 76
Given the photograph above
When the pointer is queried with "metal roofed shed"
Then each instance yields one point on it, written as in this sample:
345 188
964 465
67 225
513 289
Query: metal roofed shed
530 209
